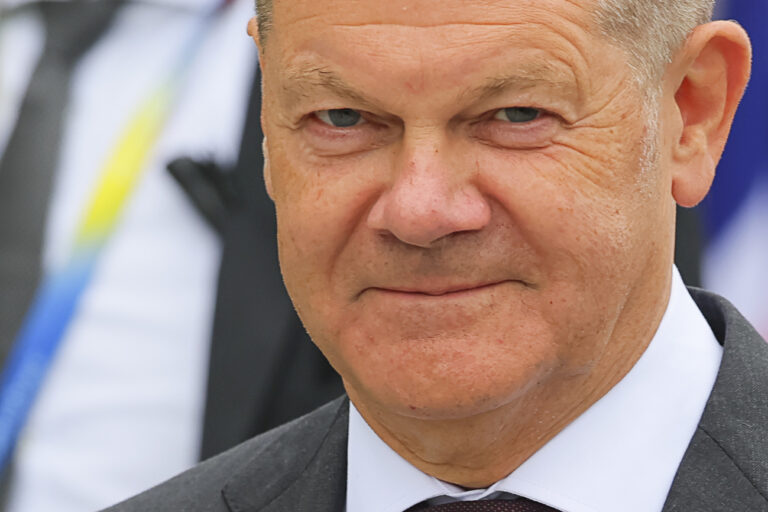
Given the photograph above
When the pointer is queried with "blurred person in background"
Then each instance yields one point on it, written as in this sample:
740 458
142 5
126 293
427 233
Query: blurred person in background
114 383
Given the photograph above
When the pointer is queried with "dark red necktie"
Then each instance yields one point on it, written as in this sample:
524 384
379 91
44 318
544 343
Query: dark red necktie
518 505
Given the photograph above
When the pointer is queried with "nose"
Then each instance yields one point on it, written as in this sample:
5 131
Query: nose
430 199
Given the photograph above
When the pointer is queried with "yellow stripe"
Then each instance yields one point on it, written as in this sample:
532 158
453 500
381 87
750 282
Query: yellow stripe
124 167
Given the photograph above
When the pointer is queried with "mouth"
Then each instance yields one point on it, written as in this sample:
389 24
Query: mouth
438 291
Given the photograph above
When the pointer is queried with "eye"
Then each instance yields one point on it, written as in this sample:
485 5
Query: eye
340 117
518 115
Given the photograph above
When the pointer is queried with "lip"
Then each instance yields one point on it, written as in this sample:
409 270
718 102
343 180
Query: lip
437 291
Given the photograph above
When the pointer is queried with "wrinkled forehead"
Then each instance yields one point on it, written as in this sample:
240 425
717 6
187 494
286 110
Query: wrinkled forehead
428 13
442 42
429 26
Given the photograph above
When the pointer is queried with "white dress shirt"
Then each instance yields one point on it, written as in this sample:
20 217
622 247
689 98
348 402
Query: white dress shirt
620 455
122 406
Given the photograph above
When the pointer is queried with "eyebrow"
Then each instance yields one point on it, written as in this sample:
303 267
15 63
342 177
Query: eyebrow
520 81
302 80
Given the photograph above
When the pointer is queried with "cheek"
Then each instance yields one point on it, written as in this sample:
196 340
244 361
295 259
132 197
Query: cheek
588 194
319 209
589 222
560 204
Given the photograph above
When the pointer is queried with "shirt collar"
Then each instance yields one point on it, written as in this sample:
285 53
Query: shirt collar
621 454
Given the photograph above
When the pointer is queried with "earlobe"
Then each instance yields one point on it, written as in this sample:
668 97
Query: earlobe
253 28
711 70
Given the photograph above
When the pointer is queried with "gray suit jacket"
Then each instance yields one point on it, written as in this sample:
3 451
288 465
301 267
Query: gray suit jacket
301 466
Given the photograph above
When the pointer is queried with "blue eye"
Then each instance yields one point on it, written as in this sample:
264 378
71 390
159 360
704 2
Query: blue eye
340 117
518 115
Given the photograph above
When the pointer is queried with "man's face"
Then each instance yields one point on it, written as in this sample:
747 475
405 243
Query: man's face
462 208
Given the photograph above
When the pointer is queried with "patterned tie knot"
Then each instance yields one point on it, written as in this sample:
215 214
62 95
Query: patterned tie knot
518 505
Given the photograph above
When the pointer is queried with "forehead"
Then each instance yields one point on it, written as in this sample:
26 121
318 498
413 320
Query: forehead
454 20
444 43
427 12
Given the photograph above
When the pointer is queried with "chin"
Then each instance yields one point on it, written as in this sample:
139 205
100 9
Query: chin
442 409
457 387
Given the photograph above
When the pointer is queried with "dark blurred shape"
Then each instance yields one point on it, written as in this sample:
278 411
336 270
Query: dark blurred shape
689 242
210 188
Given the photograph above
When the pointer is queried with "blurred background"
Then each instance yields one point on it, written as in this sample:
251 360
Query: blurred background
735 214
143 322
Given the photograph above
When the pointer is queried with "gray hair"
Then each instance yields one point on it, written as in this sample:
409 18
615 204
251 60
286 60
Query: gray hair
264 13
651 31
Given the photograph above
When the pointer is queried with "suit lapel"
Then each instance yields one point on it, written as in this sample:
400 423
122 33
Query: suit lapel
726 465
306 469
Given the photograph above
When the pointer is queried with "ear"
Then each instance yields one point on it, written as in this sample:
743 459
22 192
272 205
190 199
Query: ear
267 169
707 78
253 30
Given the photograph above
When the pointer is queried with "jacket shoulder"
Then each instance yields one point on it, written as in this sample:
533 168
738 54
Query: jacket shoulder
726 464
200 488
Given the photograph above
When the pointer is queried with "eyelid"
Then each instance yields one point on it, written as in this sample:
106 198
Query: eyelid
534 134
